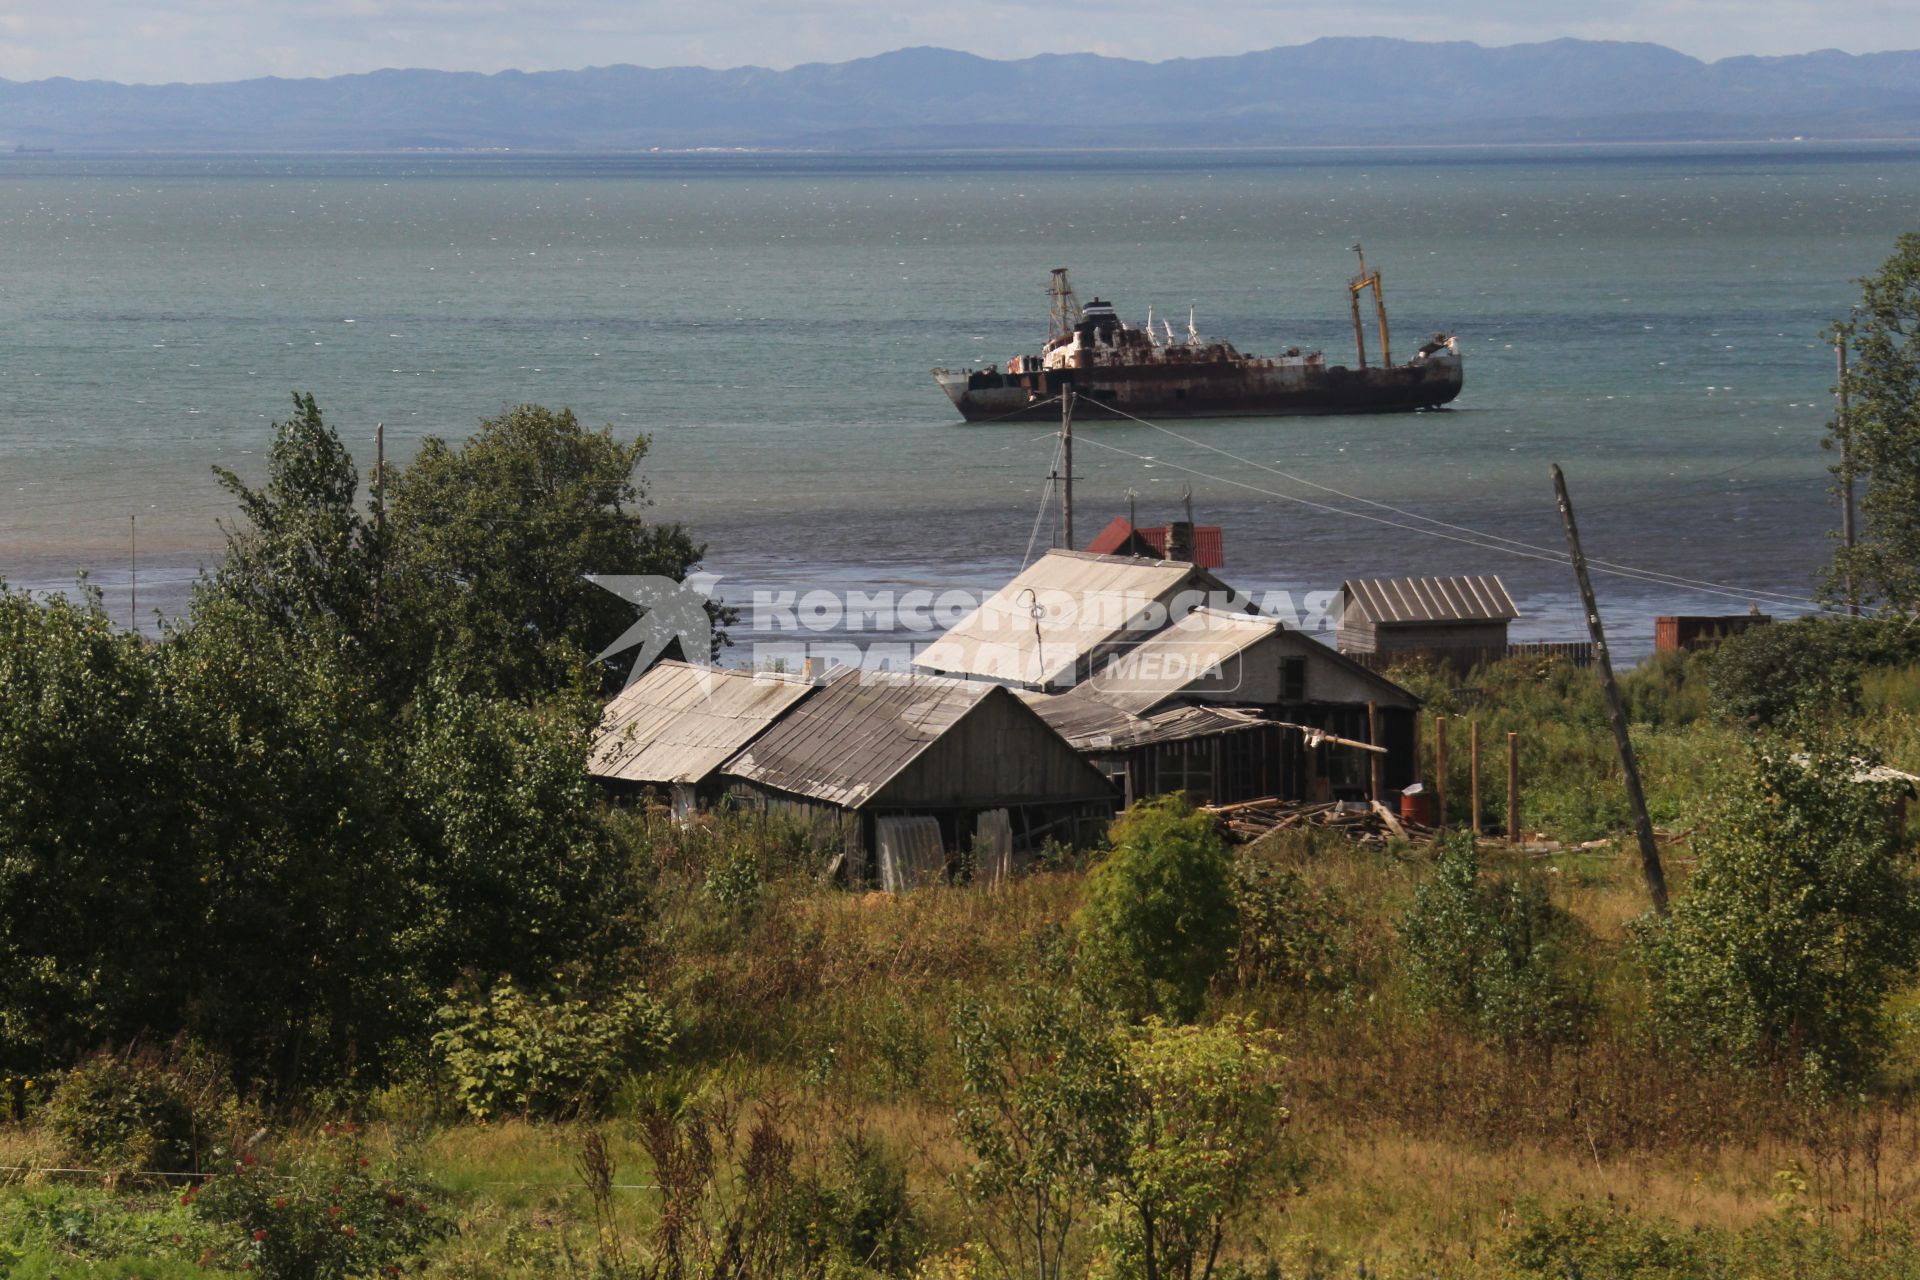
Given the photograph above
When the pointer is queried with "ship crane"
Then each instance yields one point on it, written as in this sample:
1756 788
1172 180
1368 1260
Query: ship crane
1357 286
1063 311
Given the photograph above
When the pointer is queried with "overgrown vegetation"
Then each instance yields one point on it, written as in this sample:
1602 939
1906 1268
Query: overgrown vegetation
321 959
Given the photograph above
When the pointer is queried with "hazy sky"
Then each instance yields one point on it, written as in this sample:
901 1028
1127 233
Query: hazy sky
197 40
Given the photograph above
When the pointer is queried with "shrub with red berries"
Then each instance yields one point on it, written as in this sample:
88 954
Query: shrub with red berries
323 1209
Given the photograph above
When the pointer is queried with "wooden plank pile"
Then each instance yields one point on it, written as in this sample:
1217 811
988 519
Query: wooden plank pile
1358 820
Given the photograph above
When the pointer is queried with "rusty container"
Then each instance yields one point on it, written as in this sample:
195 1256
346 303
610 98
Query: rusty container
1416 807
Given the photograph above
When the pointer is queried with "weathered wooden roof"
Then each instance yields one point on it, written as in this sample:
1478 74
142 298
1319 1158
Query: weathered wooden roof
1477 598
856 733
1087 601
679 722
1092 725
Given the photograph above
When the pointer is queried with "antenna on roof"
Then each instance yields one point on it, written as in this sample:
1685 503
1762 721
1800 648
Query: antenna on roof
1132 496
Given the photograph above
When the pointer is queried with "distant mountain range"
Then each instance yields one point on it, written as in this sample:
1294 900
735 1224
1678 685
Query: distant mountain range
1329 91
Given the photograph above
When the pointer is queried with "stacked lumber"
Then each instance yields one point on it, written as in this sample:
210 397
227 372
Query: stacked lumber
1360 821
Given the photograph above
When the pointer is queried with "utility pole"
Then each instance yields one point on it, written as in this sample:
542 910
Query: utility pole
1845 432
133 574
1066 460
1650 867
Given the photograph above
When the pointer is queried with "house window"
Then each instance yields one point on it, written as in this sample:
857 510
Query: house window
1293 679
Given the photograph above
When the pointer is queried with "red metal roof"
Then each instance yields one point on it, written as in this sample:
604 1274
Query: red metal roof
1117 539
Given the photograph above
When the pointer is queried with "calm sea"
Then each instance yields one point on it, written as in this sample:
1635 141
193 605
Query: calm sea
1647 317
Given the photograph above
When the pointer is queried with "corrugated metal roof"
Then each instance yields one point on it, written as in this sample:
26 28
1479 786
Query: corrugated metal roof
1209 545
1206 641
847 741
1087 600
1121 537
678 722
1480 598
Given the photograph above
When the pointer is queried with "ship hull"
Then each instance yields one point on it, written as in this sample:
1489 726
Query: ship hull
1206 391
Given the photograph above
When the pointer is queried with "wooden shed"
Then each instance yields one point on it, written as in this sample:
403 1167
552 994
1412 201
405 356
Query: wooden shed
906 770
671 729
1458 620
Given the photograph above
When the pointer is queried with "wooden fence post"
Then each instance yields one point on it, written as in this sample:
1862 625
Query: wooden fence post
1513 789
1473 772
1439 771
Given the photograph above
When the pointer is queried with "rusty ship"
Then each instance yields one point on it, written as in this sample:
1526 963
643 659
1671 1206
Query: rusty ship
1114 368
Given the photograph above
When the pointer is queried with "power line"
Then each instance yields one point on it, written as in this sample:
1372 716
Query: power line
1538 552
1561 561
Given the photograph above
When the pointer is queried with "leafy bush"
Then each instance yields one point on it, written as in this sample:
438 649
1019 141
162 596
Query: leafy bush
1493 951
856 1213
1293 934
136 1111
1041 1112
1202 1122
1159 922
1612 1242
323 1211
508 1051
1802 914
1811 666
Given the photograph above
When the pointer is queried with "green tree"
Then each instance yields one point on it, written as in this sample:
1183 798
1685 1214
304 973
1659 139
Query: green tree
304 552
517 873
298 906
1044 1086
1800 918
1494 951
493 541
1159 920
1882 431
1204 1122
89 816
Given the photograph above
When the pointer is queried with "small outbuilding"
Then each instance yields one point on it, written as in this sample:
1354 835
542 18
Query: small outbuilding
1702 631
671 729
906 771
1459 620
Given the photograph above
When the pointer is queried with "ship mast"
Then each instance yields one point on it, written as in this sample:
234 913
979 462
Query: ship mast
1357 286
1063 311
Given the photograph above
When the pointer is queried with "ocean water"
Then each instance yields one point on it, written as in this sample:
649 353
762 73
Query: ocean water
1649 318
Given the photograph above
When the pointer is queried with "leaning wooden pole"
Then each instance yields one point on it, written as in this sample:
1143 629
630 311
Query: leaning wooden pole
1650 867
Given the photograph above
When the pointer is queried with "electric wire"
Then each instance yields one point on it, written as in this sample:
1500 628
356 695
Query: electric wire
1812 606
1732 590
